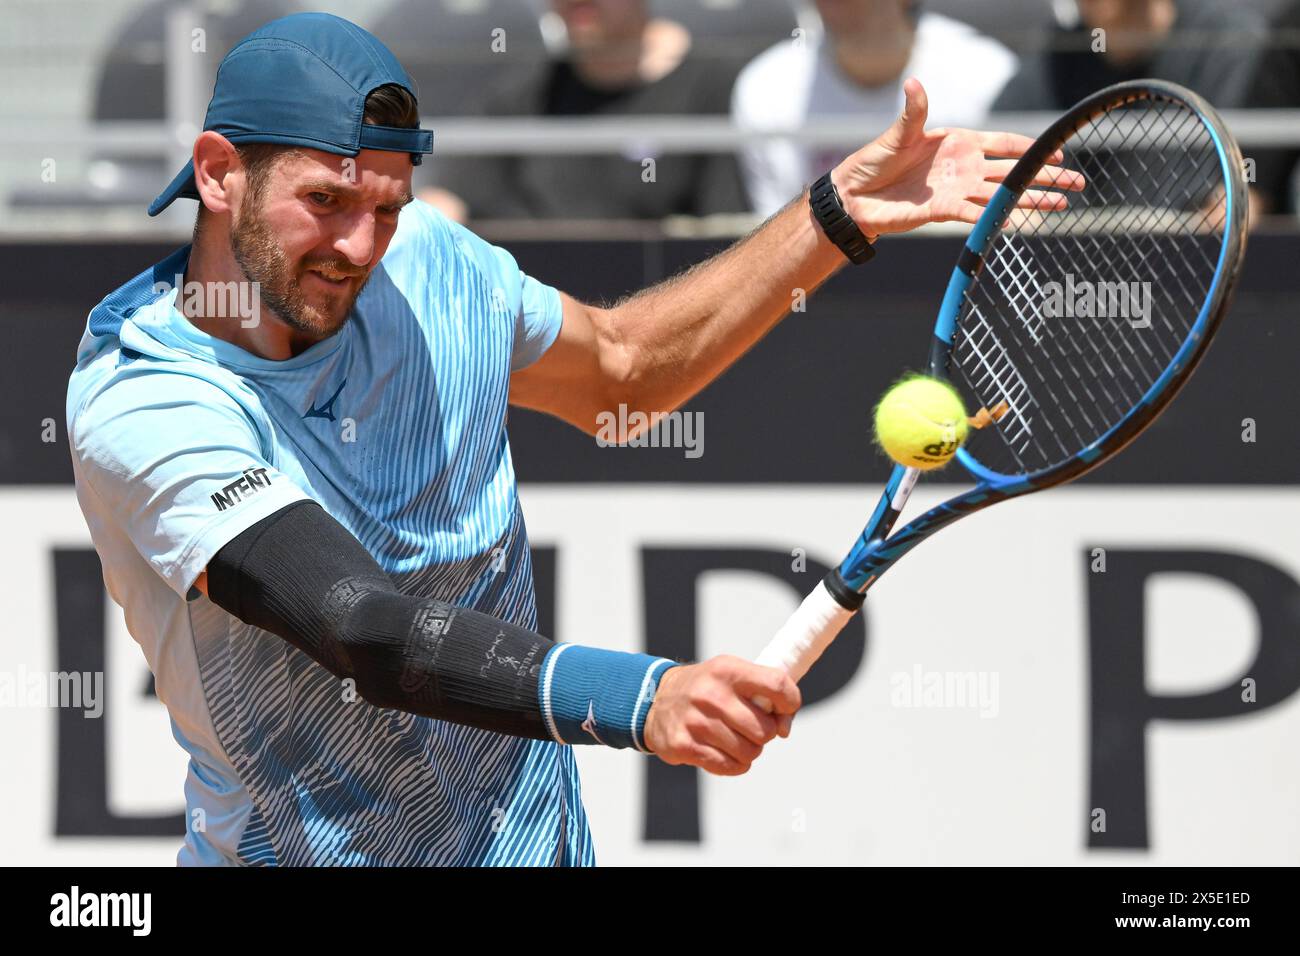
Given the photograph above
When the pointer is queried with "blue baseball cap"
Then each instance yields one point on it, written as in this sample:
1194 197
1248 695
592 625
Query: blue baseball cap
303 80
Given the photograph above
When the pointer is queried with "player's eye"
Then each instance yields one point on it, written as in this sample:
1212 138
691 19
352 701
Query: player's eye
320 199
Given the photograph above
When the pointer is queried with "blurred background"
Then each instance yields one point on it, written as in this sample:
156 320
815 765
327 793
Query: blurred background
1104 674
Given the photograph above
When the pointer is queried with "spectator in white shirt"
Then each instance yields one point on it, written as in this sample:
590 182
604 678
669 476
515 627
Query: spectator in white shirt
853 67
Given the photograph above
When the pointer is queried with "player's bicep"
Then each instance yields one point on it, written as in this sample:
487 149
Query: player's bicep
578 376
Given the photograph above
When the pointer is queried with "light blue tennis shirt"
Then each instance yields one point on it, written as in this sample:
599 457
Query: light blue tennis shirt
396 426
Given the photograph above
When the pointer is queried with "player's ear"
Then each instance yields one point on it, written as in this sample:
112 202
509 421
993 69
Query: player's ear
215 160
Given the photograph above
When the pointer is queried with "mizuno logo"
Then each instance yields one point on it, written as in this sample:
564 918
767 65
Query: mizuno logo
589 725
327 409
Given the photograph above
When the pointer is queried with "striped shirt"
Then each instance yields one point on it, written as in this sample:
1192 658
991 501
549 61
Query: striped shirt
396 426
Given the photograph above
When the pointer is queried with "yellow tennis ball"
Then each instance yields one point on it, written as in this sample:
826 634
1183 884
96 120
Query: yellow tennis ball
921 422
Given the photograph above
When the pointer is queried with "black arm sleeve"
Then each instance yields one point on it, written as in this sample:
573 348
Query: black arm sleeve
302 576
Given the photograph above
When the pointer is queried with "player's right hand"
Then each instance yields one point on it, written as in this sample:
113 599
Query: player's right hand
704 714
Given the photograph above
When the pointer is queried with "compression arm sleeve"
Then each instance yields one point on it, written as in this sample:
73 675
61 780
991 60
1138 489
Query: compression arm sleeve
302 576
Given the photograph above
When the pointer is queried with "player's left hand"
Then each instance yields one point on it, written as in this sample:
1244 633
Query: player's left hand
910 176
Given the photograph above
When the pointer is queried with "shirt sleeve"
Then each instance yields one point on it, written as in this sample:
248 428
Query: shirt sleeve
537 324
179 465
535 306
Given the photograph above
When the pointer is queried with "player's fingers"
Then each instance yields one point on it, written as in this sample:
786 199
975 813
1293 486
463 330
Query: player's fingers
1057 177
1004 144
1013 145
916 108
910 124
710 745
768 685
1038 199
716 762
722 736
996 170
982 193
783 724
749 720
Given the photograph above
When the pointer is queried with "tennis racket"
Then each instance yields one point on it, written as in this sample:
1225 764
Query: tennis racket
1069 331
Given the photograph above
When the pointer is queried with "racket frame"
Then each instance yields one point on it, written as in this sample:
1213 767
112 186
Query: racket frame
875 551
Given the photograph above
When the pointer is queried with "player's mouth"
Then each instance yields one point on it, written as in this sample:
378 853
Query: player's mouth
330 278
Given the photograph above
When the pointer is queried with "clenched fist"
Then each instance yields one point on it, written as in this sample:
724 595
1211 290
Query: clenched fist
704 714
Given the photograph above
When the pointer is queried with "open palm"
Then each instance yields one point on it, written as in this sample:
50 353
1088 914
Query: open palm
910 176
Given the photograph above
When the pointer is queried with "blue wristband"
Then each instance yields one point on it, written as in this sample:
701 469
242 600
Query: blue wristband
594 696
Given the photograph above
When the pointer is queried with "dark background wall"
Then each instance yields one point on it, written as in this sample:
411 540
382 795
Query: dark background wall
796 409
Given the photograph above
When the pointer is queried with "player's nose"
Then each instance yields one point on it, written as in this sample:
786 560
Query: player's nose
358 244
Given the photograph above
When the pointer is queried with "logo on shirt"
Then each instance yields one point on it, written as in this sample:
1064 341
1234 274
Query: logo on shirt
250 482
326 410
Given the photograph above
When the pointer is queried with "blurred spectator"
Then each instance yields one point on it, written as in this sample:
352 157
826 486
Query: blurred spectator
620 62
854 67
1206 45
1277 87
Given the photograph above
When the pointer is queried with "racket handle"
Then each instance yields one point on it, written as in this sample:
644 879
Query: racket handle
804 636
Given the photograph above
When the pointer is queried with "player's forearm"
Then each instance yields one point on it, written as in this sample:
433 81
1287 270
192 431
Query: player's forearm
682 333
300 575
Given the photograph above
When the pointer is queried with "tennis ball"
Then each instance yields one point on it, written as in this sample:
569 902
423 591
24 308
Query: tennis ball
921 422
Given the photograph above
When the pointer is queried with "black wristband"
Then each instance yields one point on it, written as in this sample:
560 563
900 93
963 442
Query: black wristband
836 223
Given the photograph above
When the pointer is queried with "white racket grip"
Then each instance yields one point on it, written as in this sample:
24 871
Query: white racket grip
804 636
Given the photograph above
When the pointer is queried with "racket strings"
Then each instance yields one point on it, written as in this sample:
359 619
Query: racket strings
1025 425
1139 222
989 370
1076 314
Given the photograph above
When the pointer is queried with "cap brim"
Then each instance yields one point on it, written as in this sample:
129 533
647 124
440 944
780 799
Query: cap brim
182 187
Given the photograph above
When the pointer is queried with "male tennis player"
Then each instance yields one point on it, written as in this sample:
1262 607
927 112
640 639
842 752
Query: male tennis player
305 502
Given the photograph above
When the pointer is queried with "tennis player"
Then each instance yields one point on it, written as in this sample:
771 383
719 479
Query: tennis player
289 445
